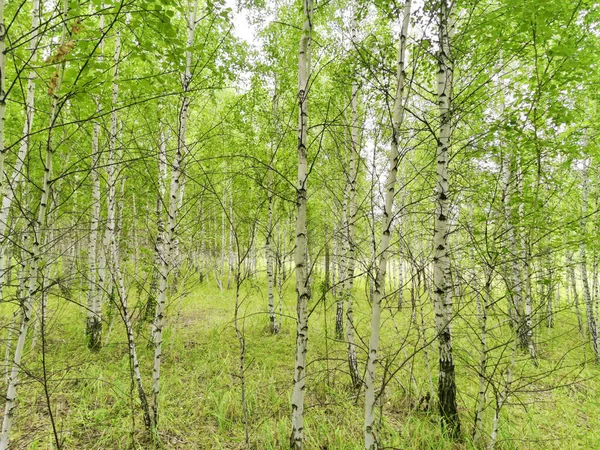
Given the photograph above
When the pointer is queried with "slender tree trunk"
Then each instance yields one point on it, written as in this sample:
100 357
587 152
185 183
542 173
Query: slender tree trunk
515 298
174 200
573 282
483 301
3 188
302 280
390 187
160 227
8 190
37 230
270 254
587 298
442 289
94 302
350 225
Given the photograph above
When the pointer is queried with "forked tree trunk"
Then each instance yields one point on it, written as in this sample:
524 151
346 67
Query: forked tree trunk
386 229
302 279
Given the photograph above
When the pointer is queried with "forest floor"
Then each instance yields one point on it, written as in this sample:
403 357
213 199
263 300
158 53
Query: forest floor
92 398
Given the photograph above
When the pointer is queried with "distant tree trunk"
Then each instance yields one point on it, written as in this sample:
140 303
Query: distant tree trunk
173 203
483 301
515 297
302 278
525 329
270 255
587 298
338 269
386 228
442 289
573 282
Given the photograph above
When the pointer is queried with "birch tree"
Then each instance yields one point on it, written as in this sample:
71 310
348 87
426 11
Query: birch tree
302 281
174 198
37 229
384 244
442 289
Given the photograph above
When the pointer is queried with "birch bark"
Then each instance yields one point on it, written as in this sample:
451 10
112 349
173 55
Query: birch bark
302 281
8 190
587 298
442 289
174 199
350 225
379 285
37 232
94 300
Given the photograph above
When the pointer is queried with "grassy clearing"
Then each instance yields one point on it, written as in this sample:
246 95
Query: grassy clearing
95 406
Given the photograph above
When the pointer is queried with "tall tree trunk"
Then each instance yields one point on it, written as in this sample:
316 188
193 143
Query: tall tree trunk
442 289
3 188
174 199
351 222
94 303
302 278
386 228
37 230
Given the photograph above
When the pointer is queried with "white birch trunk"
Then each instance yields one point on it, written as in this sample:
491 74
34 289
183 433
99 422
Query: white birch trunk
390 186
587 298
350 226
302 281
160 227
173 204
36 259
442 289
270 255
8 190
483 301
94 318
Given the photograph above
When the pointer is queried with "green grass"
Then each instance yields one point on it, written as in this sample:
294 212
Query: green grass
96 407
